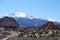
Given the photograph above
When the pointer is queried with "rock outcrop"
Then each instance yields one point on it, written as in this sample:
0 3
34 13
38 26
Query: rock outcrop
49 25
8 22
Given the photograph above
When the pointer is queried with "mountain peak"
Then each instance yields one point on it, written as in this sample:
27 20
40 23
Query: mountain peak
8 22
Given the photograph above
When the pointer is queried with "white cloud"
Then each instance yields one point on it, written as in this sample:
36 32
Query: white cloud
38 17
11 15
58 21
21 14
3 15
30 17
49 19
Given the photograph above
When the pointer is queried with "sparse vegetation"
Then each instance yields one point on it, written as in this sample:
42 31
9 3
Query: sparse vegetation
44 32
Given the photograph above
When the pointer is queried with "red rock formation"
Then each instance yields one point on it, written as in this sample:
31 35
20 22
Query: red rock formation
28 28
49 25
8 22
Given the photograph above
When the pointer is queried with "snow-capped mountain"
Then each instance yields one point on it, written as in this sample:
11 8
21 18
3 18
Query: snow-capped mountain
26 20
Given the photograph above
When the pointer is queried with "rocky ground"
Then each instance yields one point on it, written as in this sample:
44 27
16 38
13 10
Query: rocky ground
32 38
34 34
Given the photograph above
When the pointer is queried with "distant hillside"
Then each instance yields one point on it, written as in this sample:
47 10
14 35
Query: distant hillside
33 22
23 22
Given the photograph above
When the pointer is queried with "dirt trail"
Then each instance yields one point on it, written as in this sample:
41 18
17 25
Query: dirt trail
13 34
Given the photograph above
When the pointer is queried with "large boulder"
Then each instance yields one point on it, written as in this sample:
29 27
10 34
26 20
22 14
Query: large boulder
8 22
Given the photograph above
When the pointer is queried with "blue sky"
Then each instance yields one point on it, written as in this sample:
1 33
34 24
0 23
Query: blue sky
40 8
